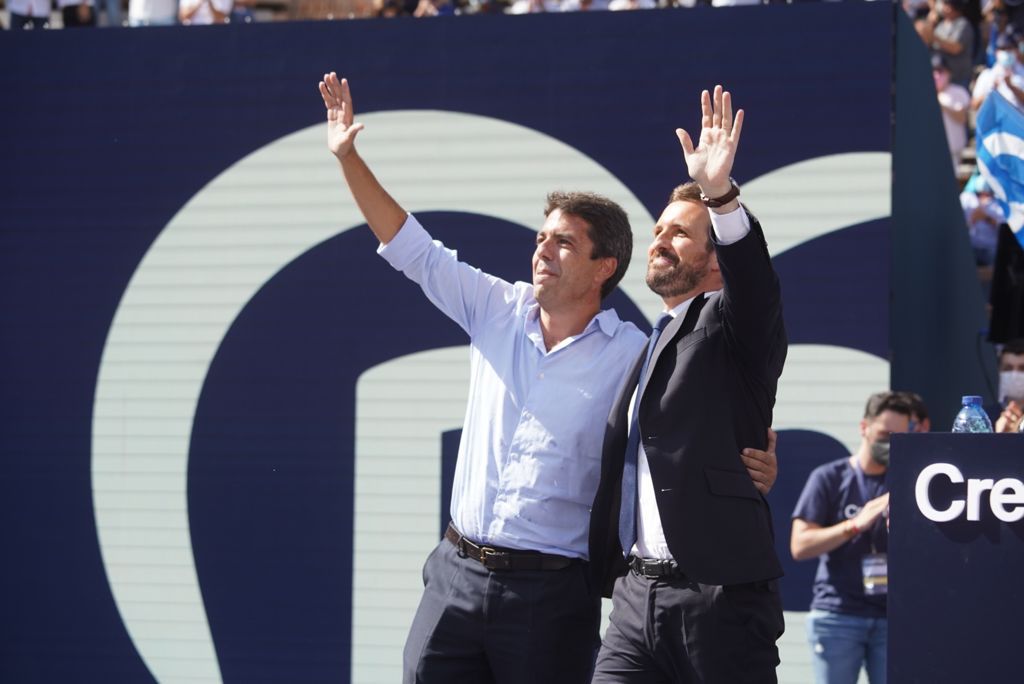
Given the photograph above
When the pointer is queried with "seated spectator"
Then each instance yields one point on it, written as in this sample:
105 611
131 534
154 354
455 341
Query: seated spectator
954 101
434 8
984 216
243 12
948 33
77 13
620 5
201 12
29 13
1006 76
390 9
533 6
152 12
1011 386
584 5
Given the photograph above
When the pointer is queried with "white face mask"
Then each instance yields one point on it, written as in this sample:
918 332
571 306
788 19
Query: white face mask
1005 58
1011 385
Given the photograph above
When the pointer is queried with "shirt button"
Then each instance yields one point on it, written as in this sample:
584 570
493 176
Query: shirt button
540 376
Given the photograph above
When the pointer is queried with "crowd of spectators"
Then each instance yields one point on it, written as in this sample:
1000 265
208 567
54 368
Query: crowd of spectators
47 14
74 13
977 47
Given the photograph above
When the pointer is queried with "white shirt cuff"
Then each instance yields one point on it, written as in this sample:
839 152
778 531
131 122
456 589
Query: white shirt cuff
407 244
731 227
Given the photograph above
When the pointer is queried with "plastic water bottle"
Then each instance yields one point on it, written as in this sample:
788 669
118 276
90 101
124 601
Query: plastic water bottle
972 417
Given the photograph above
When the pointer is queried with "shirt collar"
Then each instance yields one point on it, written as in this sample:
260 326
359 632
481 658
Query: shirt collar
607 321
681 309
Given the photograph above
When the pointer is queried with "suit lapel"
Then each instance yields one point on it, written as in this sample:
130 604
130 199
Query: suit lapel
681 325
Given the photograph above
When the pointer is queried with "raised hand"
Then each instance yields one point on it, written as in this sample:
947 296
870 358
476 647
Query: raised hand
710 162
341 131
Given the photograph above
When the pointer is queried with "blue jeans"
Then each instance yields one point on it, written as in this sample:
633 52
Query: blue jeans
841 643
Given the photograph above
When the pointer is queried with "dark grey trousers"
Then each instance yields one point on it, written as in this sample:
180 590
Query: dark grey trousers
502 626
673 630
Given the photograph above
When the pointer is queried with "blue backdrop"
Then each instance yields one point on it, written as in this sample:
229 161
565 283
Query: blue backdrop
106 135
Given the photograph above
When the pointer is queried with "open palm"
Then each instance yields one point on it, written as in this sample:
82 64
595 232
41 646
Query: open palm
710 162
341 131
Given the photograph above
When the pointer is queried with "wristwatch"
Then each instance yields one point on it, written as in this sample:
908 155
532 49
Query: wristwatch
733 193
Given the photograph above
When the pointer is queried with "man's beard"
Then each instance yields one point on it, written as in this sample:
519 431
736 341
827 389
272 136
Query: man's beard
677 279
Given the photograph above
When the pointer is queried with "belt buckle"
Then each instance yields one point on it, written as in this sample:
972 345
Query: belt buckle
654 568
494 560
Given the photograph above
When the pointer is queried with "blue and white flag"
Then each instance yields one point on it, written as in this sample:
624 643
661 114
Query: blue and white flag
999 132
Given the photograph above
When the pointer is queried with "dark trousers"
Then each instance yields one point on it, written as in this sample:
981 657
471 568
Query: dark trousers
674 630
20 21
515 626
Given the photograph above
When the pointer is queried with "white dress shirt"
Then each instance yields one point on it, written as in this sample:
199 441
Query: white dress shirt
29 8
530 455
650 535
204 15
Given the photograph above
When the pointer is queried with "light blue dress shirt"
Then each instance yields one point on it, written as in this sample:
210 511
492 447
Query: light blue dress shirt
530 456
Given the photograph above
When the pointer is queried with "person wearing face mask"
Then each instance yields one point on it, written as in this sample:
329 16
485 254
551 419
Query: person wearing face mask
840 519
954 101
1006 76
983 215
1011 387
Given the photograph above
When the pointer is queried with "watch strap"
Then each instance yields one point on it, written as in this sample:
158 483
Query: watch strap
714 202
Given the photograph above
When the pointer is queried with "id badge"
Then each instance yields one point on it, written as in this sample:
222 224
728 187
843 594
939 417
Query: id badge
875 569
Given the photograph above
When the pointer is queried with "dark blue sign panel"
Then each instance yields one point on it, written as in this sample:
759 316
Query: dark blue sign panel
956 548
214 395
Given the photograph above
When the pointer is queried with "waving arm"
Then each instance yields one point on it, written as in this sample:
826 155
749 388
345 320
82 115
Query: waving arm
383 214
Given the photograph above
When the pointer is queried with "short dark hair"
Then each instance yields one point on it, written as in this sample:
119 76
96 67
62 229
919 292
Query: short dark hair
690 192
1012 347
917 406
880 402
608 229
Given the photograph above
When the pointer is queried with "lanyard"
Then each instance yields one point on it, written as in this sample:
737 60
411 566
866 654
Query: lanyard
862 487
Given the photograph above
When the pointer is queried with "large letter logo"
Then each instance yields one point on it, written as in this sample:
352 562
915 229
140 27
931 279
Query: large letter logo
203 270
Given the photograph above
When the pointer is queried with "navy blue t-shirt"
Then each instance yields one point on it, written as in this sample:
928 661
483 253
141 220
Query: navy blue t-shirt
833 494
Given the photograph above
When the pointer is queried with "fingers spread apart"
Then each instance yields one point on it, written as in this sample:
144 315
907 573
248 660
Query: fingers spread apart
716 112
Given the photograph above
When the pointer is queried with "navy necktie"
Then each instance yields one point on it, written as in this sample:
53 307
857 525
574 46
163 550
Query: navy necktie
627 512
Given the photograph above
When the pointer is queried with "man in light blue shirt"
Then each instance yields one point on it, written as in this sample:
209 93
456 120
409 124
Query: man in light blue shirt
507 594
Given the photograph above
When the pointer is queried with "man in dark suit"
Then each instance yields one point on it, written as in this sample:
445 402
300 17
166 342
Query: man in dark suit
699 602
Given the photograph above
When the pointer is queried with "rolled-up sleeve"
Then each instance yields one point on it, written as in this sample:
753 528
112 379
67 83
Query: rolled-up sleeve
409 243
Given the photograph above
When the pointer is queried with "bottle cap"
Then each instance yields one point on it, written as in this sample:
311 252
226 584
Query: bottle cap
971 400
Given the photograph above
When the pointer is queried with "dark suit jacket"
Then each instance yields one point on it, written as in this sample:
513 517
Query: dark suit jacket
709 393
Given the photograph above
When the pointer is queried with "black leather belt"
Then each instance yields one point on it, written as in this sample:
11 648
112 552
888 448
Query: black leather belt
496 558
655 567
